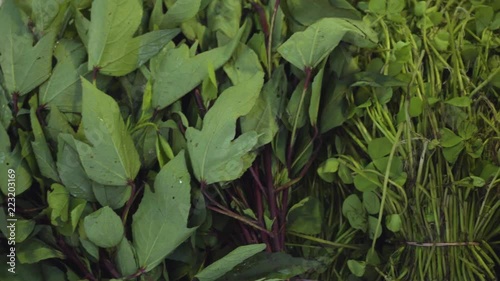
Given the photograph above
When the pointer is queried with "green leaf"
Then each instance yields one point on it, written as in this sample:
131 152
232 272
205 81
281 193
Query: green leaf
416 107
243 65
467 129
396 168
386 6
112 196
177 13
63 89
223 18
58 200
77 207
111 46
34 251
24 66
174 66
353 210
270 266
442 40
70 169
379 147
5 111
57 124
104 228
327 169
308 48
448 138
306 216
376 80
112 159
24 228
393 222
372 257
228 262
308 12
451 153
298 104
335 111
267 109
483 17
48 14
125 259
163 213
315 97
372 228
402 51
41 149
357 267
371 202
366 181
13 161
459 101
215 155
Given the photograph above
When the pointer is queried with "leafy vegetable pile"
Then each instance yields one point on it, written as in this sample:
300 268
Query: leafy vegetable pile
250 140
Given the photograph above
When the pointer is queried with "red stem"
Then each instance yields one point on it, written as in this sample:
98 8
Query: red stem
199 103
273 209
129 202
95 71
73 256
262 18
15 100
260 213
306 167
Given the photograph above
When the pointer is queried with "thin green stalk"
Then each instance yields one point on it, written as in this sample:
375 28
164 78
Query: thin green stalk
385 184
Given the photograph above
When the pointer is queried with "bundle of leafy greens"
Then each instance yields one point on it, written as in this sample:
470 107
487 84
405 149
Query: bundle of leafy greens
249 140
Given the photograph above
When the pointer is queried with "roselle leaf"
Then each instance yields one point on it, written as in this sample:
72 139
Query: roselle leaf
111 157
308 12
15 161
306 216
70 169
35 250
41 149
24 66
175 66
160 224
177 13
110 195
267 109
309 47
48 15
270 266
111 46
228 262
243 65
104 228
63 89
215 155
224 17
58 200
125 258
